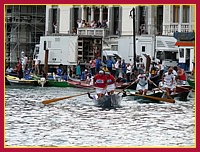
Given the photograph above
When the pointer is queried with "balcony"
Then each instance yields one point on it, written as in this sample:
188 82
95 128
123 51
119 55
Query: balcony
93 31
174 27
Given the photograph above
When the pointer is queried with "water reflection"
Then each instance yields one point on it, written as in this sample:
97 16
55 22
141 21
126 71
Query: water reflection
77 122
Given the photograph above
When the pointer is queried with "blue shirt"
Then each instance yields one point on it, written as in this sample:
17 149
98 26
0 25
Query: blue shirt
109 63
123 66
59 72
98 63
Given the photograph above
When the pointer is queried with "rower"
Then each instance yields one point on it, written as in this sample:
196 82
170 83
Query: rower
111 83
169 82
100 83
142 83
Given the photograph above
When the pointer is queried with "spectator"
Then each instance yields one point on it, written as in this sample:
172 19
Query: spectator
78 69
128 72
92 66
109 64
123 68
98 64
140 65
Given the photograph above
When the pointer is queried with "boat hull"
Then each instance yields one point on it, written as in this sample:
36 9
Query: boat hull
53 83
181 96
16 81
144 99
109 102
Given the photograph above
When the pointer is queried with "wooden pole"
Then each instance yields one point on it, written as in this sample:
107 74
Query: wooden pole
46 61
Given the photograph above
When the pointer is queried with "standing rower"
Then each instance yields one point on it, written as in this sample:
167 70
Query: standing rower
169 82
100 83
111 83
142 83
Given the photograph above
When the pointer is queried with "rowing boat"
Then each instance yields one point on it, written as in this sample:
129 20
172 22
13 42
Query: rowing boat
108 101
79 84
54 83
150 97
16 81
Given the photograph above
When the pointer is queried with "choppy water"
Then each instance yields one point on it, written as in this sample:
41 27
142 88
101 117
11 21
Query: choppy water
77 122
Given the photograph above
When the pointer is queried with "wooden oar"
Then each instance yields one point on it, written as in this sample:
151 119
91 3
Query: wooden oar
127 87
161 90
58 99
156 98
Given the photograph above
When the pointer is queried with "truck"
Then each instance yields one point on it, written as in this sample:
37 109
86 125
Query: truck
143 44
166 51
67 50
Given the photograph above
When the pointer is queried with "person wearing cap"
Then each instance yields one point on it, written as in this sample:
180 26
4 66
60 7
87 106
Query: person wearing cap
100 83
142 83
110 83
169 81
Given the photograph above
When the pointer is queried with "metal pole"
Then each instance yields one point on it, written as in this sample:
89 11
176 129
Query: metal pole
134 50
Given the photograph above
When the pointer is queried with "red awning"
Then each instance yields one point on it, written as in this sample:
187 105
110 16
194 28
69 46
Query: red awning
185 43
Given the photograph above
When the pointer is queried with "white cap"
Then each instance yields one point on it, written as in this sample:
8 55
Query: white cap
101 71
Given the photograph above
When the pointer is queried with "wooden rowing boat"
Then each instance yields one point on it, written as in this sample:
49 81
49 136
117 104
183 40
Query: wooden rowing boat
16 81
108 101
53 83
80 84
151 97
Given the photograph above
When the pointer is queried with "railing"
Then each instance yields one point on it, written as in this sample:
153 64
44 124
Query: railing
170 29
93 31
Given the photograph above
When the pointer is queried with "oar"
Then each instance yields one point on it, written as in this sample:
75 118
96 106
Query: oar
156 98
58 99
161 90
127 87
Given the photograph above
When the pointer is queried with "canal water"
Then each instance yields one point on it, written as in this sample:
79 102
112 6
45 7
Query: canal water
76 122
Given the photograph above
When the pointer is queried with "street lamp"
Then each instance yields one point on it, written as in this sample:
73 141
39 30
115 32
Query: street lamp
132 15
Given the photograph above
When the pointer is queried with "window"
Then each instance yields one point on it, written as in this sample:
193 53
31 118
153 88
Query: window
143 48
187 53
186 9
105 13
181 52
176 13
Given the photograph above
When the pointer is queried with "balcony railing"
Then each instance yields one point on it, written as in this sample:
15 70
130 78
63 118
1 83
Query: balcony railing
162 29
93 31
170 29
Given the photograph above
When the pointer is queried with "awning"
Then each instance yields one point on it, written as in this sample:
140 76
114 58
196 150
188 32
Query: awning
185 43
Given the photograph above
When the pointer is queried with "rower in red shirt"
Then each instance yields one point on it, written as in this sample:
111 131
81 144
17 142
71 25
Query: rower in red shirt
110 83
100 83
